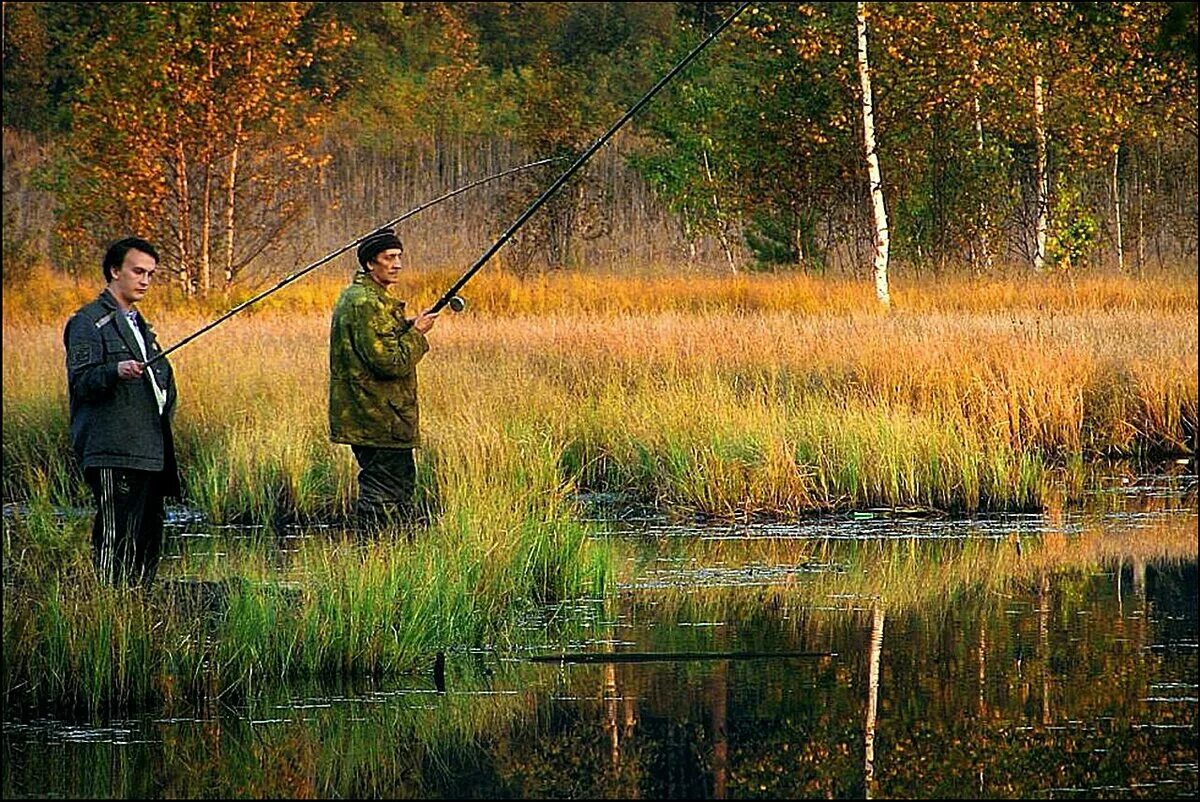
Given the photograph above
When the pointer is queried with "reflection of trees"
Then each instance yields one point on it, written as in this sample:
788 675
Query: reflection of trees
872 701
982 706
1089 726
720 731
620 719
610 713
1043 613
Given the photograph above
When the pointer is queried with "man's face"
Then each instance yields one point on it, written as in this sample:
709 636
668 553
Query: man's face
131 280
385 267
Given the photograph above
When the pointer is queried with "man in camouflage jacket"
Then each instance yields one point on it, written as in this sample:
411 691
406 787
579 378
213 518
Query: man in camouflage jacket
373 356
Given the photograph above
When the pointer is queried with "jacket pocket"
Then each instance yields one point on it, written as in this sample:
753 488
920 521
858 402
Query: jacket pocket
404 422
115 350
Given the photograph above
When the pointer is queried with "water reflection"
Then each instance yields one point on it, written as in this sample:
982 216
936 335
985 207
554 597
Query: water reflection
958 669
872 702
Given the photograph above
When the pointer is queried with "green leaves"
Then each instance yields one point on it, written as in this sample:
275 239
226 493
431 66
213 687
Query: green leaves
147 105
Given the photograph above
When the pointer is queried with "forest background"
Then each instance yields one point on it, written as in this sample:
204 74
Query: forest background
247 139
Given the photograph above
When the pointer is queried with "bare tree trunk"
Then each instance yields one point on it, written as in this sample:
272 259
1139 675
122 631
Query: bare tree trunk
1141 215
230 197
1156 182
985 249
878 208
1116 195
205 238
722 233
1041 178
206 194
184 235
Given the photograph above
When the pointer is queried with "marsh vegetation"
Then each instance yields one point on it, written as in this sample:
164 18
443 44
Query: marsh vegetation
774 397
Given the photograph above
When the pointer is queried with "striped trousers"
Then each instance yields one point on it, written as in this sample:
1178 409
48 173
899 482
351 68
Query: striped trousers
127 533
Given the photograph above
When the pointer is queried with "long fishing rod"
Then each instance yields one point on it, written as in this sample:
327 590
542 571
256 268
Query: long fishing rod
309 268
451 295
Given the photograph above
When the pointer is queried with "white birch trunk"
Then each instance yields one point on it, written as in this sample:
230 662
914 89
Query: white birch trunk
184 236
206 193
1043 191
879 210
985 248
1141 213
205 237
1116 194
229 201
722 234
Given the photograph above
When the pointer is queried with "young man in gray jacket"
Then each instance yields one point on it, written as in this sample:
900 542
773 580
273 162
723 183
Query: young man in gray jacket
121 417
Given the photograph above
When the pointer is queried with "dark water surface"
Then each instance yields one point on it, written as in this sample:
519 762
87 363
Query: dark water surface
1078 678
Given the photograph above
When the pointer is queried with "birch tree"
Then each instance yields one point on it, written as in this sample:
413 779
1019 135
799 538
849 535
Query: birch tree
1123 86
1041 172
203 93
878 208
984 253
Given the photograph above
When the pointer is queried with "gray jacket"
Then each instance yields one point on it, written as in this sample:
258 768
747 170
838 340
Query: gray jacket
116 423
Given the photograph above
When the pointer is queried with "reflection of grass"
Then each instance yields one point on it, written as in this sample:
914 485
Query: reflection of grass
716 395
899 574
366 739
362 740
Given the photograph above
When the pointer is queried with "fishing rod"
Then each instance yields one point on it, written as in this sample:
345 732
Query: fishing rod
451 295
456 303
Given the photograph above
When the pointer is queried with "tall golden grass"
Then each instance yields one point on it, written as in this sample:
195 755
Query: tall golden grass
645 289
781 393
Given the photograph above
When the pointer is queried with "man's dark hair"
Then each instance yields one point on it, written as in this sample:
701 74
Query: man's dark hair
115 256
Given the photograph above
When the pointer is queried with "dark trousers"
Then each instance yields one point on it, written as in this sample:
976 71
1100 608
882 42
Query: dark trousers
127 533
387 482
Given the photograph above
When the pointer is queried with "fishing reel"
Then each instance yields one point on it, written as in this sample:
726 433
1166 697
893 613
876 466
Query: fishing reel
456 304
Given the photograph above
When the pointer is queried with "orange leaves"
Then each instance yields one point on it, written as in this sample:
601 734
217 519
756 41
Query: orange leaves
208 92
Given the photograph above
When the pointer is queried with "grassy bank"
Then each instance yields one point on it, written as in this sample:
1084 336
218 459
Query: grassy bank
228 627
718 396
712 395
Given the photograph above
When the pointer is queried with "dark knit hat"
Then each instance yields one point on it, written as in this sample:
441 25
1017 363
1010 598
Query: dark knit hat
376 243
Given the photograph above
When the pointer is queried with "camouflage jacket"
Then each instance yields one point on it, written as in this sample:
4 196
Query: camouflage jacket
373 369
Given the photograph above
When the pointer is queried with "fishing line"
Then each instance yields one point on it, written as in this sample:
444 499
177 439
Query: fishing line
451 294
289 279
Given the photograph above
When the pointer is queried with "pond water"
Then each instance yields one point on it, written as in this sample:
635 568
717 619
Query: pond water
871 655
